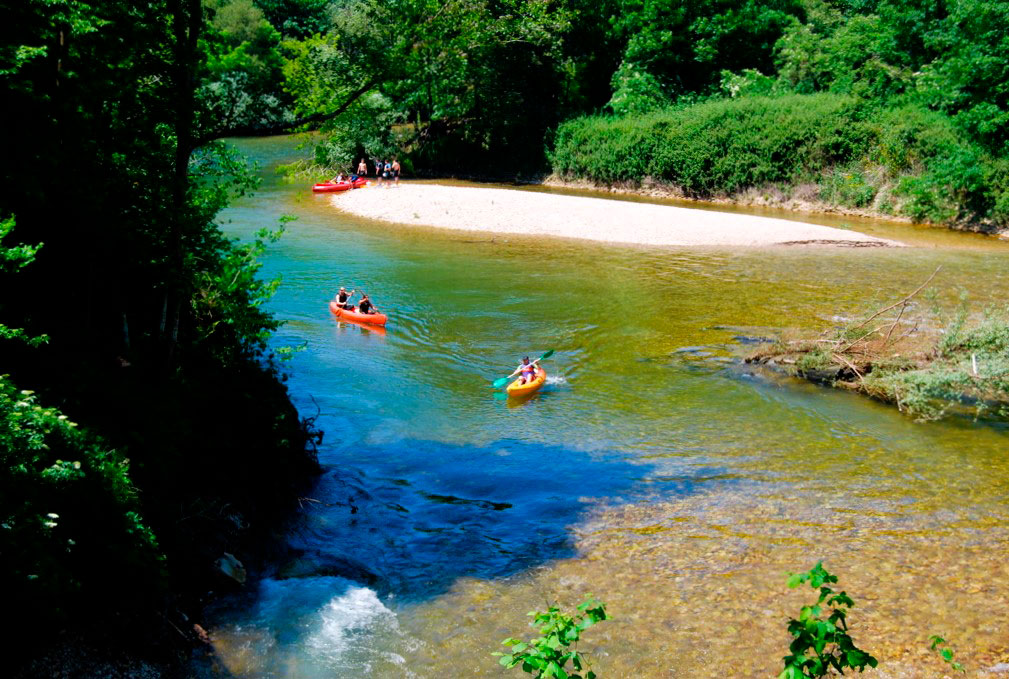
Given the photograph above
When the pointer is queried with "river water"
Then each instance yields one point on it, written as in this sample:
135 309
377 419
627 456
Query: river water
654 471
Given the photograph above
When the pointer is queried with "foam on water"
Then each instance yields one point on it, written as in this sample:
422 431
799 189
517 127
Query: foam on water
346 624
313 628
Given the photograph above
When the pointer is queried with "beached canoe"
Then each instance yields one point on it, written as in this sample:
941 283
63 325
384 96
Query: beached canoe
516 389
333 187
356 317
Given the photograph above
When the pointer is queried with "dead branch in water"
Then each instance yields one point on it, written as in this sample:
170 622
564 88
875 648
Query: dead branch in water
848 363
898 303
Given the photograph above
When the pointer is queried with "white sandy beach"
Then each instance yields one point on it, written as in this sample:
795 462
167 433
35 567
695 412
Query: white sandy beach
599 219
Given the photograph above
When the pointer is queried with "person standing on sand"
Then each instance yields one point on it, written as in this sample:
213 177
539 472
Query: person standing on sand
386 170
395 171
362 169
378 171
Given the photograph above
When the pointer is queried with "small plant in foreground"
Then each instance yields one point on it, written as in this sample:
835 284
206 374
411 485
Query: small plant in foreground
941 646
819 644
549 654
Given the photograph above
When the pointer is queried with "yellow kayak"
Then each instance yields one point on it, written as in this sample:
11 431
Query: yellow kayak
517 389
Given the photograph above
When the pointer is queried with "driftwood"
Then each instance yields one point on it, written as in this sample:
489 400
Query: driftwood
852 354
901 302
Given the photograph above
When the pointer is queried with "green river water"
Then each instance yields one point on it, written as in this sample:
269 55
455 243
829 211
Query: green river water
655 471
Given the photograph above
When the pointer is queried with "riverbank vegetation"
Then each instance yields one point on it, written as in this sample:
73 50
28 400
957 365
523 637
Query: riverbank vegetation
928 363
145 430
889 107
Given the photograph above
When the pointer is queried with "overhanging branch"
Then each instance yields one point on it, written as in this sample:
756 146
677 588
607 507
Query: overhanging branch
281 128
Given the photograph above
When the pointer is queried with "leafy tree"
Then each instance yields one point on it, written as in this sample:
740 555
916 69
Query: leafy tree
13 259
71 537
298 19
155 321
686 46
243 73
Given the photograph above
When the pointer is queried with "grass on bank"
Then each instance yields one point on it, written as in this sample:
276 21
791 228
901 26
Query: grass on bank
824 148
926 363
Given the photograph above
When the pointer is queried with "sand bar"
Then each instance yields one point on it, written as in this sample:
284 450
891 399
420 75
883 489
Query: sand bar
599 219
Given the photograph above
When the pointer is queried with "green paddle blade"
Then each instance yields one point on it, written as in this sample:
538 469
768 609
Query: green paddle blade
547 355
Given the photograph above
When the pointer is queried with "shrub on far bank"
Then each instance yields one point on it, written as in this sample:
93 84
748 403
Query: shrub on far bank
907 157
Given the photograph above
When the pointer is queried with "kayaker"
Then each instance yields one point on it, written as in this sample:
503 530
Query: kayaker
362 168
527 370
365 306
337 179
343 298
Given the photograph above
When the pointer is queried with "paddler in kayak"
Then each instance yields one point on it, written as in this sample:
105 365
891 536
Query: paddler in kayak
527 370
343 298
365 306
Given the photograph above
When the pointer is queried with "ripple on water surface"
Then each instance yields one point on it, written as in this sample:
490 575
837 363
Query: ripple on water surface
675 486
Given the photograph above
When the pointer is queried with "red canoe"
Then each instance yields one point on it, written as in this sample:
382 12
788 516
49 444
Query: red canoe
356 317
333 187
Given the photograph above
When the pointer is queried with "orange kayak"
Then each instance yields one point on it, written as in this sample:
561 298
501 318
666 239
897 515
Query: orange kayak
516 389
355 316
333 187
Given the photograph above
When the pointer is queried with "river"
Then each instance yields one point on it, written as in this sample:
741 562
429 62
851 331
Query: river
655 471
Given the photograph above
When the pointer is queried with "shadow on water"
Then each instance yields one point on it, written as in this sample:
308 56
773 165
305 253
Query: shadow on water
401 530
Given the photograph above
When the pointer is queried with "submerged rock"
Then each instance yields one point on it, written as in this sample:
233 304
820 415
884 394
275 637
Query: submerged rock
231 567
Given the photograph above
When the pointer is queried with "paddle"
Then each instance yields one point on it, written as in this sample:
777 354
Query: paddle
497 384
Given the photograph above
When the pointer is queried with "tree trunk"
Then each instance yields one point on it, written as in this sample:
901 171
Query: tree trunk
187 22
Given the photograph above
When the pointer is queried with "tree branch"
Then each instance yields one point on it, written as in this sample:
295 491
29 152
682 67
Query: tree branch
899 302
281 128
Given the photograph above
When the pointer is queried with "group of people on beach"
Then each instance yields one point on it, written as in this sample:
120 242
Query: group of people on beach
363 307
384 170
387 171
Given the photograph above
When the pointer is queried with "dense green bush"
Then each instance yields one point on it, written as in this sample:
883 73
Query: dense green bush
718 146
724 146
71 537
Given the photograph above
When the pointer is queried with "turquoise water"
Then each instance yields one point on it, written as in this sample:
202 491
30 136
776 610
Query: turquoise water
433 484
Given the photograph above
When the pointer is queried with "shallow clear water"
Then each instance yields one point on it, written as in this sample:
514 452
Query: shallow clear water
654 470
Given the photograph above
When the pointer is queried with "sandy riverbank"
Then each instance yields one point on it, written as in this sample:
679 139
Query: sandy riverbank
599 219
